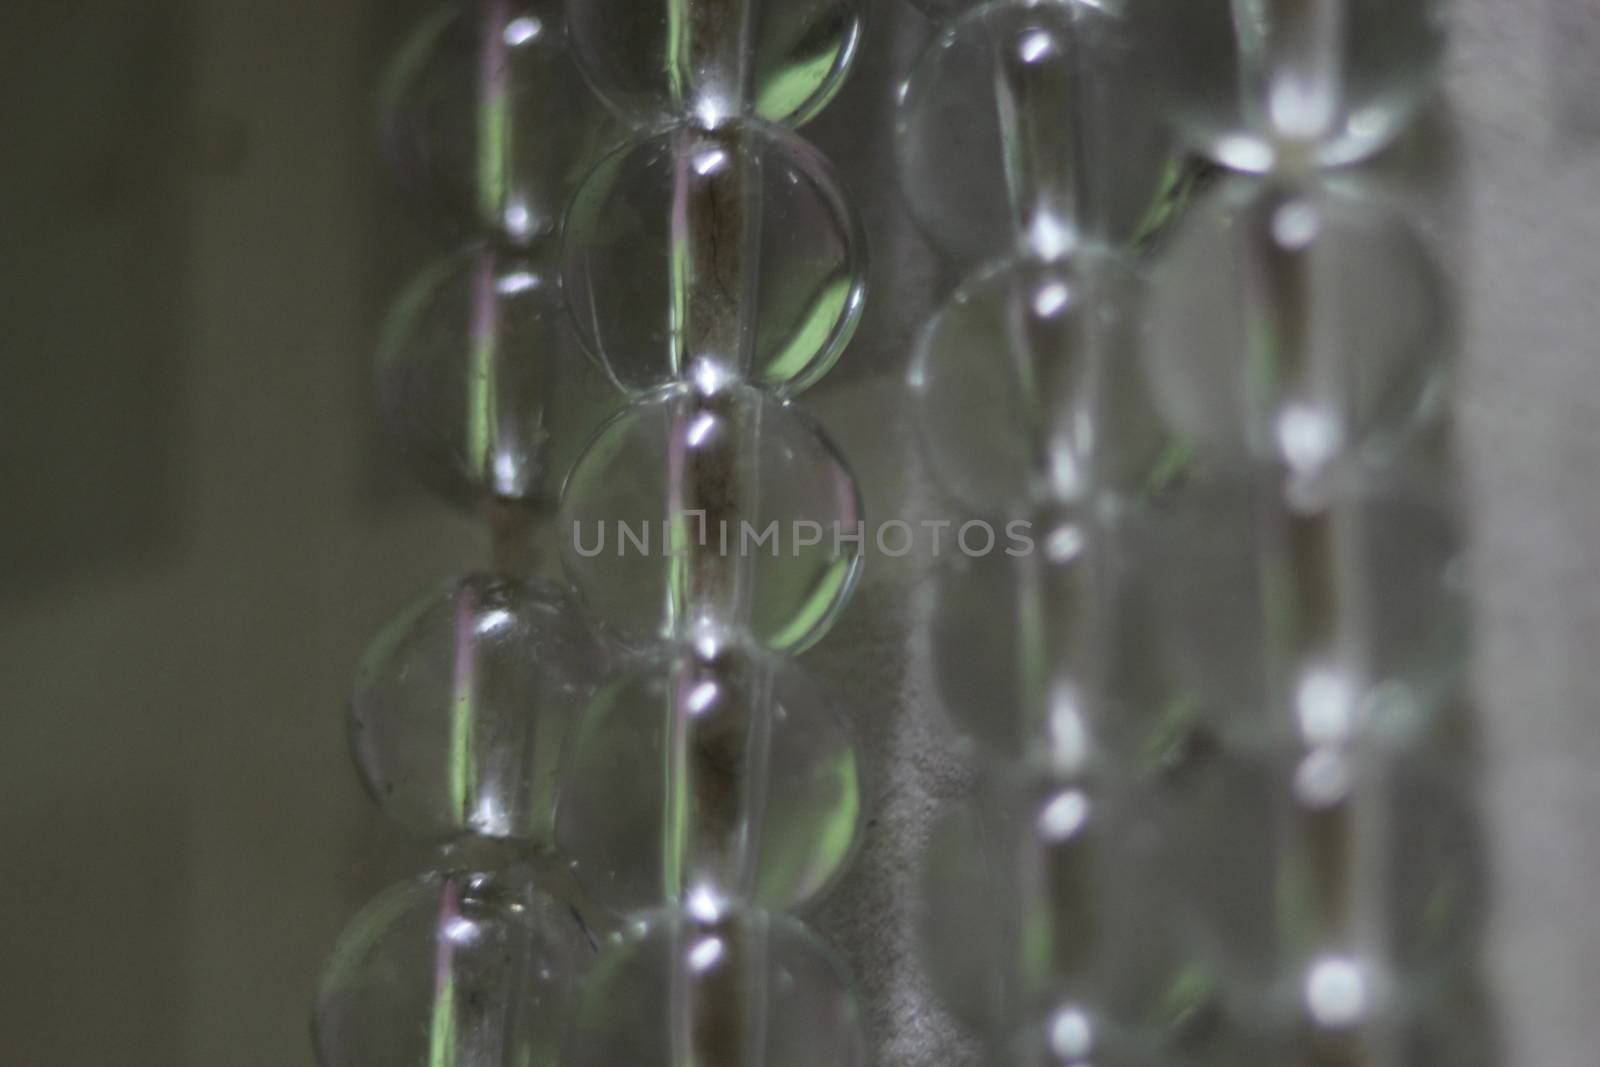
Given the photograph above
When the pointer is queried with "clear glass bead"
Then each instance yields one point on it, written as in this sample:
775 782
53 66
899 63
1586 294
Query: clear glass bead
469 968
467 366
727 510
487 121
711 774
1305 323
464 703
1027 386
748 989
1272 646
1039 896
1039 649
1260 83
1340 882
731 252
714 59
1028 123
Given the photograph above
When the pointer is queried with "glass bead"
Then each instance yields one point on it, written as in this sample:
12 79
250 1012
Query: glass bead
1039 650
486 119
1305 323
1338 871
710 774
1026 124
730 252
711 60
470 968
1040 895
464 703
1027 386
747 989
1389 602
467 365
1260 84
727 510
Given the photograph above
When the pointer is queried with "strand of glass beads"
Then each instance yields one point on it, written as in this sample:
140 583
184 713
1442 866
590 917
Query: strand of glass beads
714 269
1297 343
463 704
1039 920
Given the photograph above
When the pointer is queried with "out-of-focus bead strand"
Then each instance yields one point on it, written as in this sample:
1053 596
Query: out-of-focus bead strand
1038 921
1314 328
463 705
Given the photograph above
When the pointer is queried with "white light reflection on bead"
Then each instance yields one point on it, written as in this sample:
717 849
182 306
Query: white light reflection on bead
1037 45
1309 436
1050 299
1064 544
1323 778
518 281
1064 816
493 621
702 697
461 931
489 818
519 223
1071 1034
707 644
1244 153
703 904
705 955
1295 225
1324 704
709 112
1067 481
709 162
700 429
508 474
1069 737
1336 992
709 376
519 31
1049 237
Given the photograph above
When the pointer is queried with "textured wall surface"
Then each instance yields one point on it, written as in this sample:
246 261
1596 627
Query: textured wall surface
182 831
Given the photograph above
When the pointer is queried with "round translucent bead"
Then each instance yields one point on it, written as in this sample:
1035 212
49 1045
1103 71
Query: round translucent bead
464 702
467 364
729 510
462 967
1027 386
710 774
1255 85
1038 650
1026 123
1230 596
730 252
1039 896
1298 323
1337 873
487 120
710 60
748 989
